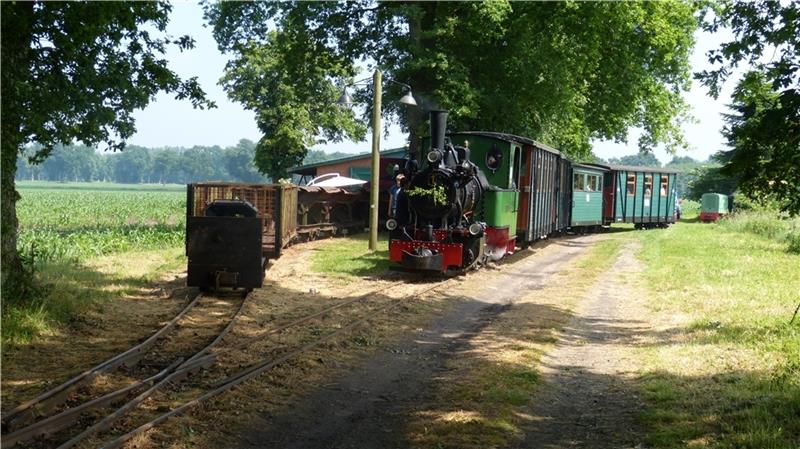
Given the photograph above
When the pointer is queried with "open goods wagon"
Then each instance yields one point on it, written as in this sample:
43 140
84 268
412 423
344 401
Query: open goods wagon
232 230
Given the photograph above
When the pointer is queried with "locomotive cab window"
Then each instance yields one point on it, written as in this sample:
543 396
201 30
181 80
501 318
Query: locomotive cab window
494 158
631 184
664 185
514 179
648 185
578 181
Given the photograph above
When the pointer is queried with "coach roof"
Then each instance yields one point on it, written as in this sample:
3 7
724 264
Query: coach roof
635 168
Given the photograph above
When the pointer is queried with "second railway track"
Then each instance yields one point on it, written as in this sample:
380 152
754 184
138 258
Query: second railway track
180 344
189 380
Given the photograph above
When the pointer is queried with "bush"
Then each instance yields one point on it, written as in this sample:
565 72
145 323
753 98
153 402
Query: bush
767 223
793 238
690 207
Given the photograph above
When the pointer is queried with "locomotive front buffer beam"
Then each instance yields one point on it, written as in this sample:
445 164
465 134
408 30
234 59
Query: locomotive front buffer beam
424 255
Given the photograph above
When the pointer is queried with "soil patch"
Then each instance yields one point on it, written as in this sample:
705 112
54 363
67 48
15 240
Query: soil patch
370 405
589 397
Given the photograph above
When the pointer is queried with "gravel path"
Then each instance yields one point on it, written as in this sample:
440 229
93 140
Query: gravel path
367 408
587 400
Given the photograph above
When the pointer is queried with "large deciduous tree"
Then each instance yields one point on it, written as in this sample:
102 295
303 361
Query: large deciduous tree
77 71
564 73
763 129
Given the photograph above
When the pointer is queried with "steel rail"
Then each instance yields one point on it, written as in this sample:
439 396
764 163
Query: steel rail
68 417
186 368
198 361
301 320
257 369
55 396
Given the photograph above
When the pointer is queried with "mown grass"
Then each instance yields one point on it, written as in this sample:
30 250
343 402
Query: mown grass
75 289
482 397
350 257
71 230
726 373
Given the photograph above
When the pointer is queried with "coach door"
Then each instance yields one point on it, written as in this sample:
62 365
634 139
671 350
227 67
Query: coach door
524 203
609 181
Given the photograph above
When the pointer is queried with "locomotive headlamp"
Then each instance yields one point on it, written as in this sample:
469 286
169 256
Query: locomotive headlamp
434 156
475 228
391 224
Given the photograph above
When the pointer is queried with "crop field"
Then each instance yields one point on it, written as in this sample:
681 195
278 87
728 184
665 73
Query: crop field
73 222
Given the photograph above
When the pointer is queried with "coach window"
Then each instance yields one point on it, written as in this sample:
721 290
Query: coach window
631 184
648 185
578 181
592 183
664 185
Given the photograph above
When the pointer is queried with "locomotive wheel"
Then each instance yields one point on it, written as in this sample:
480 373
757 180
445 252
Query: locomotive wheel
474 254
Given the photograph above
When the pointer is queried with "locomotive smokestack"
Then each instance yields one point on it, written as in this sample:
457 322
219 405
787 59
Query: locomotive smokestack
438 128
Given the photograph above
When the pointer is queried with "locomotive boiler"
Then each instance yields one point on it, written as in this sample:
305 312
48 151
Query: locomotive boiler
441 230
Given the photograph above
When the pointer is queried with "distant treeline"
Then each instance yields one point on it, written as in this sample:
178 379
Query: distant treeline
138 164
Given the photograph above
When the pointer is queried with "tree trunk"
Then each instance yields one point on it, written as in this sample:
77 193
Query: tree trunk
17 22
421 81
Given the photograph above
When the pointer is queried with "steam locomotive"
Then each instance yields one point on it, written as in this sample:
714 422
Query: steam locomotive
480 195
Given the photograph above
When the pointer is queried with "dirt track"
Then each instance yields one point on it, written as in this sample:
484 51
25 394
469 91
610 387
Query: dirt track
588 399
368 407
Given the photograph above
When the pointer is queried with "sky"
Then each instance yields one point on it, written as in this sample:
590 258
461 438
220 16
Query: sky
169 122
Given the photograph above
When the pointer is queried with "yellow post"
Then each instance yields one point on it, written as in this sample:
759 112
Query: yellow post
376 162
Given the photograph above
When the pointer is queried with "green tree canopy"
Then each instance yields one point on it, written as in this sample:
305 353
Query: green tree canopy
710 180
77 71
564 73
641 159
764 134
763 129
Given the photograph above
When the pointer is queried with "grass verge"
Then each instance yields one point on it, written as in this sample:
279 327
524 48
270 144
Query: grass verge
481 400
350 257
73 289
725 372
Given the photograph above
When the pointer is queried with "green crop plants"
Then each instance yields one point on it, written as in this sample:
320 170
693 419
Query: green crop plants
65 229
72 225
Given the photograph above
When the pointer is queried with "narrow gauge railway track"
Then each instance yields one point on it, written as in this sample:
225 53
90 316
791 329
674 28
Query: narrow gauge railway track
223 370
181 345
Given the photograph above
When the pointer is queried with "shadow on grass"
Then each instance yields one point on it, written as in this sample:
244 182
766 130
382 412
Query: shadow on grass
71 290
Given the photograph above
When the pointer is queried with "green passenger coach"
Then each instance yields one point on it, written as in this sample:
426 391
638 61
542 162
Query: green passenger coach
643 196
587 196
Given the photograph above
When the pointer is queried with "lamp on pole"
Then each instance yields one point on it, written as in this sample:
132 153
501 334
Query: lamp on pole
407 99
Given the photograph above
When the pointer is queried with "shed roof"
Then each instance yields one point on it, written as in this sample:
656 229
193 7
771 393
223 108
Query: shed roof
307 168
